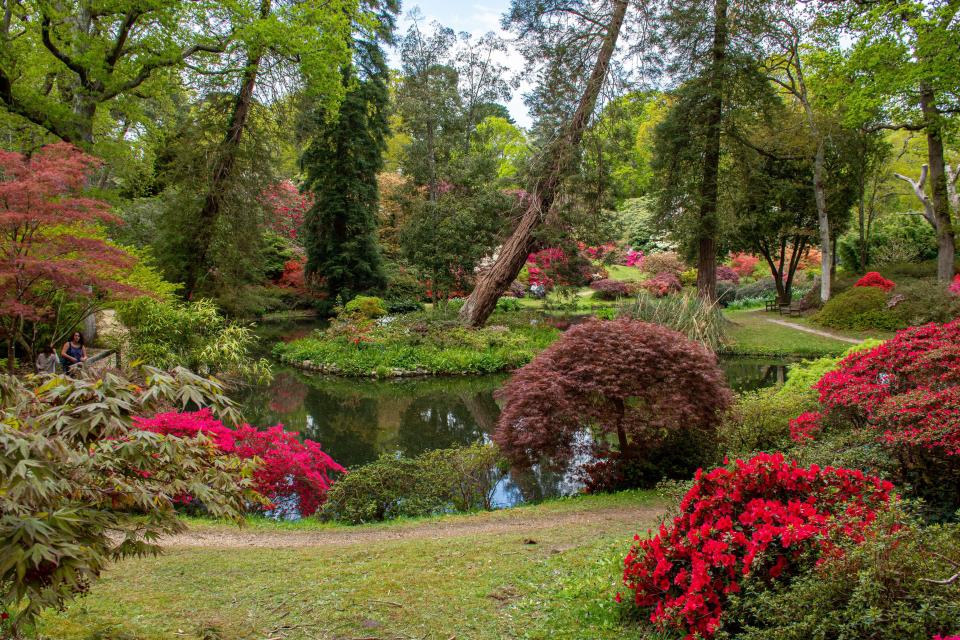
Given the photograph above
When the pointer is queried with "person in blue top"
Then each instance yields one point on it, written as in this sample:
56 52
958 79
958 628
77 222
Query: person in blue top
73 352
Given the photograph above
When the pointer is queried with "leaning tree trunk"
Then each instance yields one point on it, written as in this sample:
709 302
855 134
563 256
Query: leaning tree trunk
709 223
539 199
946 243
223 165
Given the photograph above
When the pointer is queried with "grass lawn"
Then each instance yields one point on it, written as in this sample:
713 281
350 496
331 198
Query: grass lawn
625 273
545 571
750 333
876 334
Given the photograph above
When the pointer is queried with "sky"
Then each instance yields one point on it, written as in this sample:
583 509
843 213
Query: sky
476 18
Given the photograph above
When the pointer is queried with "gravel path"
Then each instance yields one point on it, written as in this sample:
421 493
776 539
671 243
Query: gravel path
498 524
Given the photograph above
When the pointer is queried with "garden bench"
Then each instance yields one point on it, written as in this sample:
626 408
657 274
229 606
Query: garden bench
771 305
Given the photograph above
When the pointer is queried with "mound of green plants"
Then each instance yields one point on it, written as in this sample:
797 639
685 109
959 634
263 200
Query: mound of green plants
419 344
452 480
859 308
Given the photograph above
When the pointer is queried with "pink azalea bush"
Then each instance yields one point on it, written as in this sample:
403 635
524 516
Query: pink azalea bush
294 475
955 285
662 284
634 258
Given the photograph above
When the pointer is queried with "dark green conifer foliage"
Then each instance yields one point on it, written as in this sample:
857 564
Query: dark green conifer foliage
341 166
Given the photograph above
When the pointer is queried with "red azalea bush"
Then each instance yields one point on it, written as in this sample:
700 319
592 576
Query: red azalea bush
294 475
907 389
727 274
611 289
874 279
744 264
288 208
663 284
763 519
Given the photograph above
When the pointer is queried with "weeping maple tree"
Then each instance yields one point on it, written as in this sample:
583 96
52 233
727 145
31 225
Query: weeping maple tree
630 384
53 267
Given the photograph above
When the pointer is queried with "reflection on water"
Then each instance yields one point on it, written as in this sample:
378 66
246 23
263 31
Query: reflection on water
357 420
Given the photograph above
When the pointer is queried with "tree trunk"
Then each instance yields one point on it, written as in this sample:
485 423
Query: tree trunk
823 220
946 244
223 167
709 221
537 203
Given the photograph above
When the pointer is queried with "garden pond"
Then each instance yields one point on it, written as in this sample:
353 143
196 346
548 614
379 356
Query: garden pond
357 420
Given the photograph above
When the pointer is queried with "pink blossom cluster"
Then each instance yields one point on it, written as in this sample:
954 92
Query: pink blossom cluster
293 473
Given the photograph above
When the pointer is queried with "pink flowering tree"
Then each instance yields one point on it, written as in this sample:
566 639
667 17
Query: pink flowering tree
288 208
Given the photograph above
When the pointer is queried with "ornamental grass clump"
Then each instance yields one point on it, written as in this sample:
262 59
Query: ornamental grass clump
631 385
756 521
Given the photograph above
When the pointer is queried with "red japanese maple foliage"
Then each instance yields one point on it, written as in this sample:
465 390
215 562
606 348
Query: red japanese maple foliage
294 475
765 518
744 263
633 380
662 284
907 389
48 246
874 279
289 208
727 274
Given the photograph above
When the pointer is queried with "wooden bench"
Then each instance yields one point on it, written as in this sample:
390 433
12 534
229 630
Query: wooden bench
771 305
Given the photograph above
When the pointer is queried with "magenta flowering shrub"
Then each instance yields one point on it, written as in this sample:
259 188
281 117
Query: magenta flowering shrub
294 475
607 289
955 285
634 258
764 518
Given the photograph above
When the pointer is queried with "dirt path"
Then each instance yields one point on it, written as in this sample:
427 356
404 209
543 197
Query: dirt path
486 524
816 332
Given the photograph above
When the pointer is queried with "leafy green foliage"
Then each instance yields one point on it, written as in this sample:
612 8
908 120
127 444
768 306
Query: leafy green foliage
188 334
690 315
882 589
80 487
440 481
423 343
858 308
368 307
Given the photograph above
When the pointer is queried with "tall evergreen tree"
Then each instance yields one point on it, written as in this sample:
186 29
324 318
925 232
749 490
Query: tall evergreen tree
341 164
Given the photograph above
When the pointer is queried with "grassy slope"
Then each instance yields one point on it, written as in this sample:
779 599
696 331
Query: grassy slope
751 334
488 585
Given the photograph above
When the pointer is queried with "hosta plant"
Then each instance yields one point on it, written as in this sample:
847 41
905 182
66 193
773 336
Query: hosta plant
81 487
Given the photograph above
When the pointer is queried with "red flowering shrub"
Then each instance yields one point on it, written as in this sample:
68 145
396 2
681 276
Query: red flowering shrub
907 388
623 381
663 284
955 285
874 279
294 475
727 274
763 519
611 289
288 207
743 263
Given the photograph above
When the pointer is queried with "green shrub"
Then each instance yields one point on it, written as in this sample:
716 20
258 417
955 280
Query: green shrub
858 308
881 590
689 278
441 481
764 288
508 304
921 301
760 420
403 305
366 307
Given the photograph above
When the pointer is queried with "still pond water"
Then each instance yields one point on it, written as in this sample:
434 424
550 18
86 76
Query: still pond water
357 420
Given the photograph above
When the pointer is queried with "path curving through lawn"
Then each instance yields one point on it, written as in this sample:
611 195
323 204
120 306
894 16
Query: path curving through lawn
816 332
497 523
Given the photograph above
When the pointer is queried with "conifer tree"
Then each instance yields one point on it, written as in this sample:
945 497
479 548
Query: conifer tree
341 165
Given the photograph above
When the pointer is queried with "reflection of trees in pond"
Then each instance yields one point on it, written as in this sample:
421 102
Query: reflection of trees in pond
346 427
750 374
436 422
